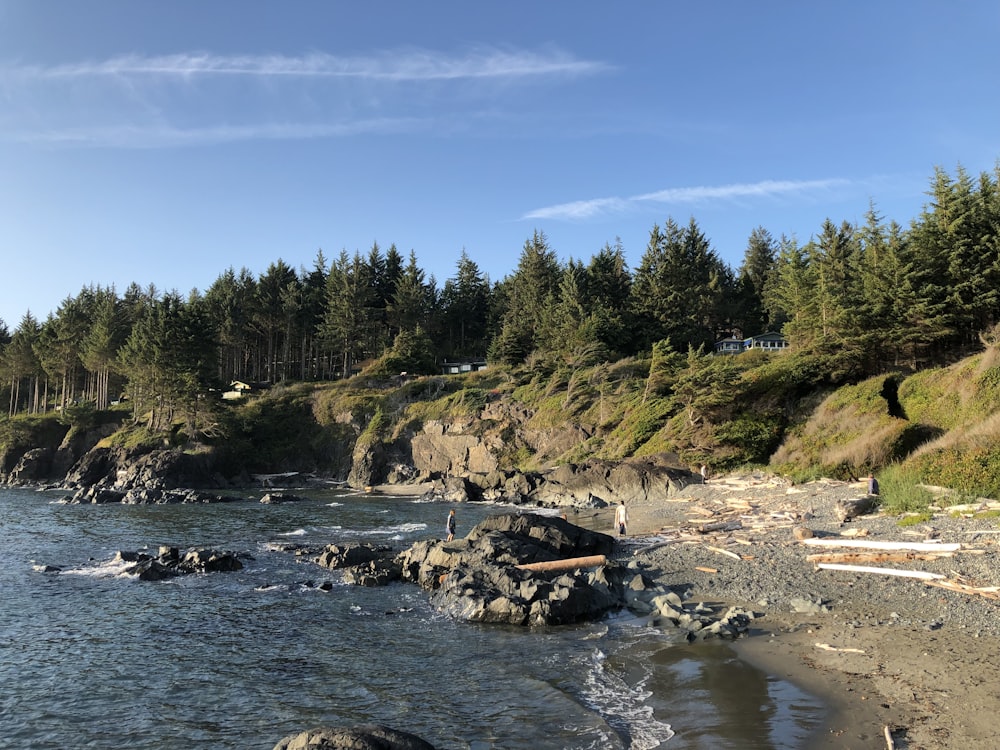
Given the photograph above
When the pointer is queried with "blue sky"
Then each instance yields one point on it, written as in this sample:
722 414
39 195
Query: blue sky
163 142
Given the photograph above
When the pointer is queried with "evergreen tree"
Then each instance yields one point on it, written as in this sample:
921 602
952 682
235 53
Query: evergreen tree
790 294
101 343
22 366
759 261
530 295
348 324
466 309
677 289
412 300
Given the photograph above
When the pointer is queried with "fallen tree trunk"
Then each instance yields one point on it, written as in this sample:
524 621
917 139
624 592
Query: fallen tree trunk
720 526
845 510
874 557
863 544
571 563
922 574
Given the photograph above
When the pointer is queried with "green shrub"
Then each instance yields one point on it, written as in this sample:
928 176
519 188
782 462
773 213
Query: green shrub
900 492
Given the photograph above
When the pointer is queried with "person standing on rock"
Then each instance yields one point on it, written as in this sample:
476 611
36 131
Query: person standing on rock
450 526
621 519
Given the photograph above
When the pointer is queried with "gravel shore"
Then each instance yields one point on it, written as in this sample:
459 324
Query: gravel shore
897 659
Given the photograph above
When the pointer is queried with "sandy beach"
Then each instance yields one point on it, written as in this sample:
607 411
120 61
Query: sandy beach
901 663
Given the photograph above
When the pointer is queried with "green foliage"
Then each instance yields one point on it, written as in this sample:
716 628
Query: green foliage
915 519
900 491
138 437
754 435
972 470
29 431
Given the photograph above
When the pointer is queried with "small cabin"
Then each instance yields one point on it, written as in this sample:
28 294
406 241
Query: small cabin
730 345
237 390
768 342
458 368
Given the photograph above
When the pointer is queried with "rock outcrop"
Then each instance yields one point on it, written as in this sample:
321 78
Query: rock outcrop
478 579
169 562
97 495
370 737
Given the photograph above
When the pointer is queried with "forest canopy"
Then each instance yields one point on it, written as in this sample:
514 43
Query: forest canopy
869 298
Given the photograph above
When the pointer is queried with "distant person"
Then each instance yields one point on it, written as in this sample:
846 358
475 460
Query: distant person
872 485
704 473
621 519
450 527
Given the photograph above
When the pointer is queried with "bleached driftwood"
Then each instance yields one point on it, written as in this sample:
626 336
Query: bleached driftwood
889 744
726 552
922 574
865 544
828 647
705 570
963 586
592 561
985 505
874 557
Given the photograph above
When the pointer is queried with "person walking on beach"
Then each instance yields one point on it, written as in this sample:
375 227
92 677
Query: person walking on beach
450 526
621 519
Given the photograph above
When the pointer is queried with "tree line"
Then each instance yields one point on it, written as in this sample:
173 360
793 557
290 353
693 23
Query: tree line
868 297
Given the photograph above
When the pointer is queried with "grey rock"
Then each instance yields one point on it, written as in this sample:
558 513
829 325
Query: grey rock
370 737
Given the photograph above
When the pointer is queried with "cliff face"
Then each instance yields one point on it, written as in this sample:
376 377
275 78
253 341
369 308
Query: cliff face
496 453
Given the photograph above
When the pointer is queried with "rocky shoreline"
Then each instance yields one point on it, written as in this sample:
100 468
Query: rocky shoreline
900 663
895 657
901 660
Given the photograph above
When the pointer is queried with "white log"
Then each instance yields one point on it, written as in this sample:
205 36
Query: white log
865 544
591 561
828 647
726 552
922 574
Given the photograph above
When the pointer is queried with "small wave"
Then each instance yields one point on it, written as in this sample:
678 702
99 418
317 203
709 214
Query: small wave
297 532
623 706
111 569
334 504
396 532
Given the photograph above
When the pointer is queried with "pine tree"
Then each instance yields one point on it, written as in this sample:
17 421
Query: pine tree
530 294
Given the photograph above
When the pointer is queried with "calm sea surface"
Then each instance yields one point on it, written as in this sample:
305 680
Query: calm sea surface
90 658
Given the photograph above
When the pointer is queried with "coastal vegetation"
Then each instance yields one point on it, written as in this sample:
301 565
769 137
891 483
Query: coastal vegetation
893 365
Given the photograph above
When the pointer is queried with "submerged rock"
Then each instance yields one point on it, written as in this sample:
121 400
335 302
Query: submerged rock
169 562
369 737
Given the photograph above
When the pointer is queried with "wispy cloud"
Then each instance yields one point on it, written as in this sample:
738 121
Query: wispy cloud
140 137
192 98
586 209
411 65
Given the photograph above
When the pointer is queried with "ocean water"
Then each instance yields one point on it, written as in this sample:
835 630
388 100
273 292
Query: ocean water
91 658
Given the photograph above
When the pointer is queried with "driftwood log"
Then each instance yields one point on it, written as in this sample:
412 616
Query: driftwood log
572 563
874 557
845 510
863 544
922 574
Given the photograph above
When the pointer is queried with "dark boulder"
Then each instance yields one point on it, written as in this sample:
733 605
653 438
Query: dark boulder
374 573
477 578
169 562
351 554
93 495
370 737
34 466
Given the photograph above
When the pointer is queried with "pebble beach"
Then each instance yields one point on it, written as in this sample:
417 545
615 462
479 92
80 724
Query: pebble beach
900 644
